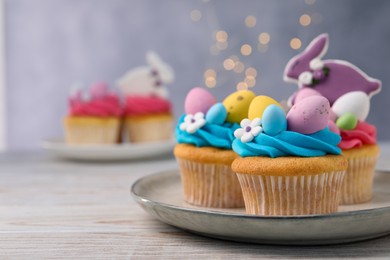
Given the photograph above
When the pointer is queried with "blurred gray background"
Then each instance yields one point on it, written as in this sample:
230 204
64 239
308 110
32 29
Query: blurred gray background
51 44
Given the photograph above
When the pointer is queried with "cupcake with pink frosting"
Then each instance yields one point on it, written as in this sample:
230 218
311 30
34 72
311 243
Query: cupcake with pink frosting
94 116
147 111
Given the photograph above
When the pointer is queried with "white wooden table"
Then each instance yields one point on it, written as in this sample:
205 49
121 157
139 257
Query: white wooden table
52 208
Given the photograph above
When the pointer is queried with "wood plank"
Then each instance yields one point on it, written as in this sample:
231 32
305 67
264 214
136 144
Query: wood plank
52 208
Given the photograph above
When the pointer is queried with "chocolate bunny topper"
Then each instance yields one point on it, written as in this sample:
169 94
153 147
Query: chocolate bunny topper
331 78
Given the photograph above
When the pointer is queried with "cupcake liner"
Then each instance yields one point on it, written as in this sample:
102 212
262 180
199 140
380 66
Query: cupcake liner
357 186
148 130
210 185
291 195
85 133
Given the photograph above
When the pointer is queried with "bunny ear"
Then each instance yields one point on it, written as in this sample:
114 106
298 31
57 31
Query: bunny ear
166 72
318 47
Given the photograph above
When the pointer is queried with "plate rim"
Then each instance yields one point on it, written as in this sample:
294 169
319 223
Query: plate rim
48 144
209 211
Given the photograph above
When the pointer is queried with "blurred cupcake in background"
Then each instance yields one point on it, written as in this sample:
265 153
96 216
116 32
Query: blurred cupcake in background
94 116
147 111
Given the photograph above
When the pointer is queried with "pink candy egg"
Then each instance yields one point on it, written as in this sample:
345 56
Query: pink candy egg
98 90
304 93
198 100
309 115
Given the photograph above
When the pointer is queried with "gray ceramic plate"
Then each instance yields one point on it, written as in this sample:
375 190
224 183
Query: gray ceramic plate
161 196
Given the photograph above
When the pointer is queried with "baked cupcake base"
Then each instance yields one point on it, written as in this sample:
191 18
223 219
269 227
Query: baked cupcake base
92 130
149 128
357 187
291 185
207 178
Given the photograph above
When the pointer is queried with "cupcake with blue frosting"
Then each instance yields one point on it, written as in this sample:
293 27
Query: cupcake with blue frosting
204 151
289 164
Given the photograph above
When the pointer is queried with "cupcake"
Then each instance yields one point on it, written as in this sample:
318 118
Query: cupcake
148 112
288 165
358 143
94 116
204 135
349 91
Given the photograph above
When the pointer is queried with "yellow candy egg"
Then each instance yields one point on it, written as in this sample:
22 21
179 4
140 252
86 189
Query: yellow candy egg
237 105
259 104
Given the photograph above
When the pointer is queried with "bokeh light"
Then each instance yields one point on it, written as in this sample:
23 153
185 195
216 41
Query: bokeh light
242 86
295 43
222 45
305 20
221 36
210 82
210 73
239 67
250 21
229 64
251 82
264 38
246 49
250 72
195 15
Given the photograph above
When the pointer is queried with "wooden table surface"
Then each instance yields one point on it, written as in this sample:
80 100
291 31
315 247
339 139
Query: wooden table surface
53 208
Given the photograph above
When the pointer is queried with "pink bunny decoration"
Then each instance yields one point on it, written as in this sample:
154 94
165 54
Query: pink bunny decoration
331 78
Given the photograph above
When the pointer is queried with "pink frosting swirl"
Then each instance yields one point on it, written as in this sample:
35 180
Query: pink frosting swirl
364 133
108 106
142 105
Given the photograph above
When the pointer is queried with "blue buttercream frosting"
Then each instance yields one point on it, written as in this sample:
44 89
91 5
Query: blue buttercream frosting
288 143
210 134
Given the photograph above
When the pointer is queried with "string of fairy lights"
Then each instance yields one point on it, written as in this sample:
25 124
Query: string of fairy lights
236 63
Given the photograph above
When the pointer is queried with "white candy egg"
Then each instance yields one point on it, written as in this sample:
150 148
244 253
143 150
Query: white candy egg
356 102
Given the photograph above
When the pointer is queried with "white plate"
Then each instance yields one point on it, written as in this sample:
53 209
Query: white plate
161 196
112 152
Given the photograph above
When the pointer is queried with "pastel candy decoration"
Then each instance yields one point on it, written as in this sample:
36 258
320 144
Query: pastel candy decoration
304 93
258 106
274 120
98 90
216 114
310 115
237 105
331 78
357 103
198 100
148 80
348 121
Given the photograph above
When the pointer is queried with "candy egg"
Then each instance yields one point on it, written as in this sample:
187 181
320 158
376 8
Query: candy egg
258 106
98 90
216 114
309 115
237 105
274 120
347 121
304 93
198 100
356 102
